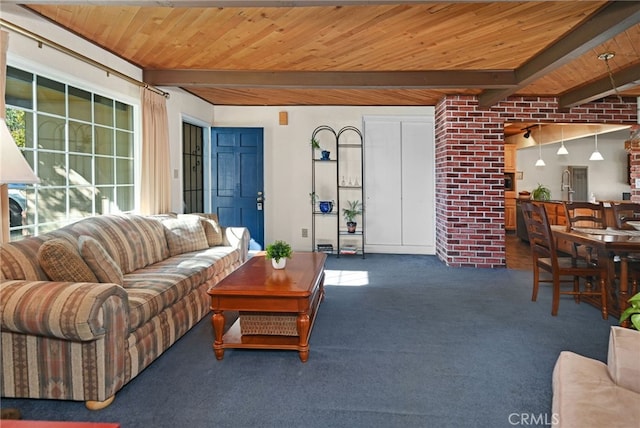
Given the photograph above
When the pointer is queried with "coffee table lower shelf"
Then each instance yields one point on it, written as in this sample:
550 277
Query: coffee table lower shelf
234 338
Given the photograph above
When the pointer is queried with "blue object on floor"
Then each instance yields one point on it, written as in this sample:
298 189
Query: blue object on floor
254 246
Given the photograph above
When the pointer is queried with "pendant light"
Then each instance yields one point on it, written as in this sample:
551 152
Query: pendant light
562 150
596 156
540 162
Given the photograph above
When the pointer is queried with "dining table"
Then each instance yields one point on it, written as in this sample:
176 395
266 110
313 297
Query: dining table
613 247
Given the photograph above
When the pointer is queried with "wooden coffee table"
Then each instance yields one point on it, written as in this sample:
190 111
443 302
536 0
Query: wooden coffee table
257 288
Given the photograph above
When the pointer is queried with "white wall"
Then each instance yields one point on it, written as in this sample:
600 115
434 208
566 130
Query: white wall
606 179
182 106
287 160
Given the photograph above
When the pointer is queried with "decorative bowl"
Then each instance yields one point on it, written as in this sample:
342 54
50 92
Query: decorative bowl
326 206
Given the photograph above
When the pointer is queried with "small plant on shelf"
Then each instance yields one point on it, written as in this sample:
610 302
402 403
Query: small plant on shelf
278 250
541 193
316 145
354 209
632 313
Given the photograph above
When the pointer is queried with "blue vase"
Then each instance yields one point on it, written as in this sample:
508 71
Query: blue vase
325 155
326 206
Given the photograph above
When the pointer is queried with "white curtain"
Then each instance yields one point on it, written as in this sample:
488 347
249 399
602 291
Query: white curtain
4 192
155 188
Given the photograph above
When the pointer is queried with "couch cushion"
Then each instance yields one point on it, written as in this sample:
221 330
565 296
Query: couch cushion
19 259
584 395
212 228
623 361
185 234
100 262
133 241
62 262
160 285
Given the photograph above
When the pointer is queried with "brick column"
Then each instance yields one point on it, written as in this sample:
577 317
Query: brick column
470 168
469 184
633 148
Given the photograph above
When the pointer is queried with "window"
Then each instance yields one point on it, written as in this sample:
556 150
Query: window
192 160
81 146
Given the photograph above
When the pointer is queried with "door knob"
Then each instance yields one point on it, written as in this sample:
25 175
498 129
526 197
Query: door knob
259 201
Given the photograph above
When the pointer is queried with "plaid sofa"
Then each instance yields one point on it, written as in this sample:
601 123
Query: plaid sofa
87 307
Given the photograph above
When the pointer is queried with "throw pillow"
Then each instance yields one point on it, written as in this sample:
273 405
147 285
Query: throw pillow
212 229
622 360
61 261
99 260
185 234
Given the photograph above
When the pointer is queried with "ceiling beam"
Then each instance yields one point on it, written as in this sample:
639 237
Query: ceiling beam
332 79
555 133
624 79
608 22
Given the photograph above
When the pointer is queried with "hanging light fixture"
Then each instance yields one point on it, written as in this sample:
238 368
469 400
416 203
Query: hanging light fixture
562 150
606 56
596 155
540 162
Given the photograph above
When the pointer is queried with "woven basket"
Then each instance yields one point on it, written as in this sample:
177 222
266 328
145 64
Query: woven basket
267 323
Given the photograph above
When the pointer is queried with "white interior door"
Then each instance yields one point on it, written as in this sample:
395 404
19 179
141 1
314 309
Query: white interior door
418 213
382 179
399 185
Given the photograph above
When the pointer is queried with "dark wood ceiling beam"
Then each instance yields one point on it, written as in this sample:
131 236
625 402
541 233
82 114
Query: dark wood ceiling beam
332 79
610 21
623 79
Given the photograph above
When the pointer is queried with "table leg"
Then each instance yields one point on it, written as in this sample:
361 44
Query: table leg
322 287
623 291
218 328
303 324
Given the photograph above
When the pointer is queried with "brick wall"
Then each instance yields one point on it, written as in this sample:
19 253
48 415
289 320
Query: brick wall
470 168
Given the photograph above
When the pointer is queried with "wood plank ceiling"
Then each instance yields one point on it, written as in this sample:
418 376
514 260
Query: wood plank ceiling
366 53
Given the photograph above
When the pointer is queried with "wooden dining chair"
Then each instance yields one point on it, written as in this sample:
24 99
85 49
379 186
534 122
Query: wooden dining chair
563 269
624 212
586 215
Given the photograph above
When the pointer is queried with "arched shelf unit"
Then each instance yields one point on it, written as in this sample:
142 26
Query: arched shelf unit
337 180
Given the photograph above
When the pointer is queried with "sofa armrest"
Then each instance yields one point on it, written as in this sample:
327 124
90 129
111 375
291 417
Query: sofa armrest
237 237
623 360
77 311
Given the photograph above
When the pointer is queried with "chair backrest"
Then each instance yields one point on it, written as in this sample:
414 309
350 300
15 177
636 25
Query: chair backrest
624 212
542 243
585 214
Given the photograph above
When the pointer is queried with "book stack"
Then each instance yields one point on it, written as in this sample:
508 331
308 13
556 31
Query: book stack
325 248
348 249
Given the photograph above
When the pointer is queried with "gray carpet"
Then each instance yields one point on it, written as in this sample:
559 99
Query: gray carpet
400 341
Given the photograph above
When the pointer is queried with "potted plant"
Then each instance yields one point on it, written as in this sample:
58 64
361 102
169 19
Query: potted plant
278 252
316 145
541 193
354 208
632 313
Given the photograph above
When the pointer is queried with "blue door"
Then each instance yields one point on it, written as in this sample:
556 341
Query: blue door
237 178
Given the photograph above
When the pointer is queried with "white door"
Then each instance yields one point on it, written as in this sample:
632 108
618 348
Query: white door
399 185
383 179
